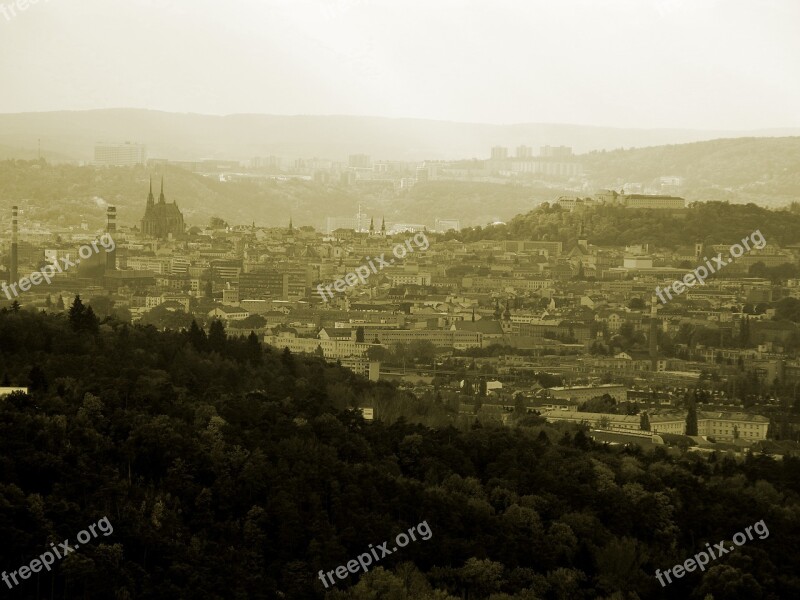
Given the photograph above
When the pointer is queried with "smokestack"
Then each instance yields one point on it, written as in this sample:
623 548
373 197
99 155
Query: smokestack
653 334
14 273
111 255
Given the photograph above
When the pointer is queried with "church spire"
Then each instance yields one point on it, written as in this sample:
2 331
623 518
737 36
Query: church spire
372 225
383 225
161 196
150 195
291 227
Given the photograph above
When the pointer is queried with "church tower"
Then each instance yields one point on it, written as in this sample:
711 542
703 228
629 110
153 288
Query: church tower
150 199
162 220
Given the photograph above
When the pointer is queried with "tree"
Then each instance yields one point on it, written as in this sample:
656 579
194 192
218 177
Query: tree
423 351
481 577
76 313
600 404
164 317
360 334
520 408
90 321
468 389
216 336
691 418
378 353
82 318
60 303
636 304
197 336
287 359
400 352
37 379
644 422
102 305
744 332
217 223
253 349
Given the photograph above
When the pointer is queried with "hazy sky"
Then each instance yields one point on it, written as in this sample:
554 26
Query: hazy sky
710 64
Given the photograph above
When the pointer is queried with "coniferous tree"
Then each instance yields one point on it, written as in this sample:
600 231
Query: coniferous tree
216 336
197 336
468 388
60 303
288 360
691 418
744 332
77 313
90 321
253 349
644 422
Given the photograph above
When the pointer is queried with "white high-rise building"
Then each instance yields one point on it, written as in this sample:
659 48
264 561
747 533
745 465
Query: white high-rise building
119 155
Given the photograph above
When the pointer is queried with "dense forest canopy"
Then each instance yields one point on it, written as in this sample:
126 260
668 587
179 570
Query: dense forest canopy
233 470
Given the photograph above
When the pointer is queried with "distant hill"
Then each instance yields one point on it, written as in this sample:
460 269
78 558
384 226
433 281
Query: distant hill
241 137
68 195
764 171
761 170
714 222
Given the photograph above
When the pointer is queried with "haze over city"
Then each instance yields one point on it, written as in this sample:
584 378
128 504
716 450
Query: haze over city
705 64
408 300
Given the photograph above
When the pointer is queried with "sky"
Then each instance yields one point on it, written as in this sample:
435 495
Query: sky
699 64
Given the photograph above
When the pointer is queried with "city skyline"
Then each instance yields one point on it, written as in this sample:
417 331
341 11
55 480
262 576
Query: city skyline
544 300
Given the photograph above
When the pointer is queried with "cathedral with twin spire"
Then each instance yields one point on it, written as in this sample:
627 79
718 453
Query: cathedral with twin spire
162 220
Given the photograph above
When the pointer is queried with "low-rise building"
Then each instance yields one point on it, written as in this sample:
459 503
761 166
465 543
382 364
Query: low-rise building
582 393
228 313
722 426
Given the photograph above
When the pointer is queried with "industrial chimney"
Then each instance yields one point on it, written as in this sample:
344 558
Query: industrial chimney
111 256
14 273
653 334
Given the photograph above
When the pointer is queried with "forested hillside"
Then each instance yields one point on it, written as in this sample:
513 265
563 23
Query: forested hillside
231 470
712 222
